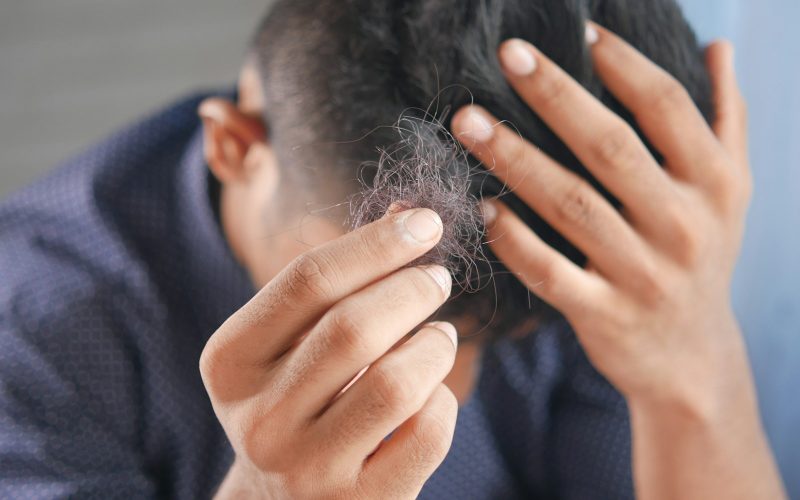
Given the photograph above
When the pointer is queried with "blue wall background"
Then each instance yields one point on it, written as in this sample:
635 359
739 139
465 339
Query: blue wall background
767 285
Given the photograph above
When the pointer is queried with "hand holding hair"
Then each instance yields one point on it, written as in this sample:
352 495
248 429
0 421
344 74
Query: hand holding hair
652 306
277 370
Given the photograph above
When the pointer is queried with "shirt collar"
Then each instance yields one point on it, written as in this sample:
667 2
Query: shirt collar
209 268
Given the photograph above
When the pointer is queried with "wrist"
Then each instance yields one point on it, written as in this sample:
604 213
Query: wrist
702 385
679 455
706 439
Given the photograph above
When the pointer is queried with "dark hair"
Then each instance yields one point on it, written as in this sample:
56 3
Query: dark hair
337 74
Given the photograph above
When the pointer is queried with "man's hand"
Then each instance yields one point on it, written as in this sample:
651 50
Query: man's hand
652 308
277 368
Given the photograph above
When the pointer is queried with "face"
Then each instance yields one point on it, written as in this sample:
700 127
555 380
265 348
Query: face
266 219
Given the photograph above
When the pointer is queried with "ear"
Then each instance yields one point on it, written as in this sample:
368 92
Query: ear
230 135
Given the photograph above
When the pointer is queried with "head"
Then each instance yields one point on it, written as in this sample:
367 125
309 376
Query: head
344 107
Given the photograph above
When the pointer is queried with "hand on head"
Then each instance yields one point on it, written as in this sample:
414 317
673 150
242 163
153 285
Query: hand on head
652 306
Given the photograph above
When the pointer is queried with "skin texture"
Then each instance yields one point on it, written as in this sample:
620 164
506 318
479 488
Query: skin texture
652 307
279 395
423 59
654 296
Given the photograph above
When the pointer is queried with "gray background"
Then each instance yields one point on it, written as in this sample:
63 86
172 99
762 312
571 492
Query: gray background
73 70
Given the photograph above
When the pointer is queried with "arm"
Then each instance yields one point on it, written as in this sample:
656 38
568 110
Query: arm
652 307
68 422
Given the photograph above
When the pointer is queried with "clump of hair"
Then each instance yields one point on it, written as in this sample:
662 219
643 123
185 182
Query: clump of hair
334 70
425 168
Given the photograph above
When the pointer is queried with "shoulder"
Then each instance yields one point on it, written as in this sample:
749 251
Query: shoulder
57 307
105 176
90 348
68 242
69 375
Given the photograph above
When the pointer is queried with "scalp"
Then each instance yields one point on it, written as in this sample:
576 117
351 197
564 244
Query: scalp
360 92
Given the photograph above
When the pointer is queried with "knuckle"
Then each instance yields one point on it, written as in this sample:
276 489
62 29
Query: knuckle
424 287
212 365
552 90
434 432
576 205
548 283
721 166
435 354
619 148
727 189
689 247
377 246
432 441
345 333
259 442
689 252
731 189
440 351
516 153
669 95
312 276
652 283
393 391
683 235
542 277
209 362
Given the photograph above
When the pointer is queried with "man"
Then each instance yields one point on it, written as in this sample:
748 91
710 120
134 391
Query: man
122 265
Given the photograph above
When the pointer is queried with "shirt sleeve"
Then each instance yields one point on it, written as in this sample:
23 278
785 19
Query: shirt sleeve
69 418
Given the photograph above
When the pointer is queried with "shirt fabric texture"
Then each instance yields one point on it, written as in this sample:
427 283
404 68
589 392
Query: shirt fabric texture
113 275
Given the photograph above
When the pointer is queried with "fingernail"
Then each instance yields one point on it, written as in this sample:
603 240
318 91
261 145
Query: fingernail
448 329
592 36
423 225
477 127
517 58
489 212
441 276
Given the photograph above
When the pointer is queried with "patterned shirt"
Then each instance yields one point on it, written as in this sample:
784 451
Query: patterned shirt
114 273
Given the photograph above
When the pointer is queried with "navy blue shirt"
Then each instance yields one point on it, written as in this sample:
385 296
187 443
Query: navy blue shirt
113 275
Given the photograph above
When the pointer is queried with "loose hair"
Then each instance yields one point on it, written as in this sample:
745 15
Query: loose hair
359 94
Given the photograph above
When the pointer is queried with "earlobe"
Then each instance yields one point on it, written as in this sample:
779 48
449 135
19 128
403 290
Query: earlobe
229 135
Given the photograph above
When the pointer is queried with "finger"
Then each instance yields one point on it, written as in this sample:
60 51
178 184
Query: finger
391 390
661 106
565 200
272 321
730 124
356 332
546 272
606 144
402 464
